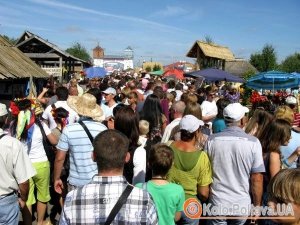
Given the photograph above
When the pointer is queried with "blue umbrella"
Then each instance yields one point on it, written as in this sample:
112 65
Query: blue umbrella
296 74
273 80
94 71
215 74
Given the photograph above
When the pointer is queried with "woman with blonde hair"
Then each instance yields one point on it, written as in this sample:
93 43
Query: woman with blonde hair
193 108
192 98
284 188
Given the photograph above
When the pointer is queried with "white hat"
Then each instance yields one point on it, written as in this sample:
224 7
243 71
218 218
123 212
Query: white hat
147 76
291 100
190 123
110 90
3 110
235 112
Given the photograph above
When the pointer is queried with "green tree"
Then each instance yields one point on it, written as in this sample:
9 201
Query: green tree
208 39
79 51
265 60
12 40
291 63
156 67
148 69
249 73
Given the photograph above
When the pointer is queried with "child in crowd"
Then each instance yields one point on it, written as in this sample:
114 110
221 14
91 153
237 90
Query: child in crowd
284 188
144 130
133 100
168 197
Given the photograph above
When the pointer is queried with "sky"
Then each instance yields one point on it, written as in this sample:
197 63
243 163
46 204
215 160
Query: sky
158 30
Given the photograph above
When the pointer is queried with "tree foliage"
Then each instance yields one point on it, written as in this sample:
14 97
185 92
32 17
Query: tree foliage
156 67
265 60
247 74
11 40
79 51
208 39
291 63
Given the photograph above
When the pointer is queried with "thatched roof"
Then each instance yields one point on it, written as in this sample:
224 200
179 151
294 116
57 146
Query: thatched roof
15 64
210 50
238 67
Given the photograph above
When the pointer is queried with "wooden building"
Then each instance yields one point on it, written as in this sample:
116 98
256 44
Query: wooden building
48 56
210 55
15 70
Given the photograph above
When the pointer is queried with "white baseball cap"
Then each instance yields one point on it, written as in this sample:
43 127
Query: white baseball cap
234 112
291 100
147 76
110 90
3 110
190 123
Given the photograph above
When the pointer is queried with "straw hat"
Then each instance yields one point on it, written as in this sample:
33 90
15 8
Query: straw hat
86 105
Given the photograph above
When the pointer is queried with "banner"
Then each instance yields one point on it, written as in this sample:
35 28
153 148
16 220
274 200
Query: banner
54 71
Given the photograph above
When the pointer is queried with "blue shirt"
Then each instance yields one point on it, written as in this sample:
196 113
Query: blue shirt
218 125
286 151
75 140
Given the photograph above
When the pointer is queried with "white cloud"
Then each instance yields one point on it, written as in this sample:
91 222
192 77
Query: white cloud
61 5
171 11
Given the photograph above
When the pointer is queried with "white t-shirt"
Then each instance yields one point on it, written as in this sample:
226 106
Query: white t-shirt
37 152
73 116
139 165
108 111
209 108
168 130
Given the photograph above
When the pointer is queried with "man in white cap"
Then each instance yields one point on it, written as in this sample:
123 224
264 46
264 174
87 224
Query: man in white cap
110 103
236 159
16 170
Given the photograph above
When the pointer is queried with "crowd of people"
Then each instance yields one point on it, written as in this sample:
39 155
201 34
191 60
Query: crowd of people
135 149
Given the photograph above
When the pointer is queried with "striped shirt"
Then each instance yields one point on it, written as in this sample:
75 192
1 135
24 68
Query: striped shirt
75 140
92 204
296 122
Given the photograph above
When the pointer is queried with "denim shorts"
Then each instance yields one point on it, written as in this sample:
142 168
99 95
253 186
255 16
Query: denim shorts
9 209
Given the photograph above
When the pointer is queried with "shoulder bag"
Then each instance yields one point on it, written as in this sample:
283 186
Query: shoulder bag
122 200
87 131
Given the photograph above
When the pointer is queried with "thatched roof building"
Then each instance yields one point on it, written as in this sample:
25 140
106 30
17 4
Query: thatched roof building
210 55
239 67
15 64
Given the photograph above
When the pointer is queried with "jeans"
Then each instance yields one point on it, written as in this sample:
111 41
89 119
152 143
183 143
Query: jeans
226 222
184 220
9 210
